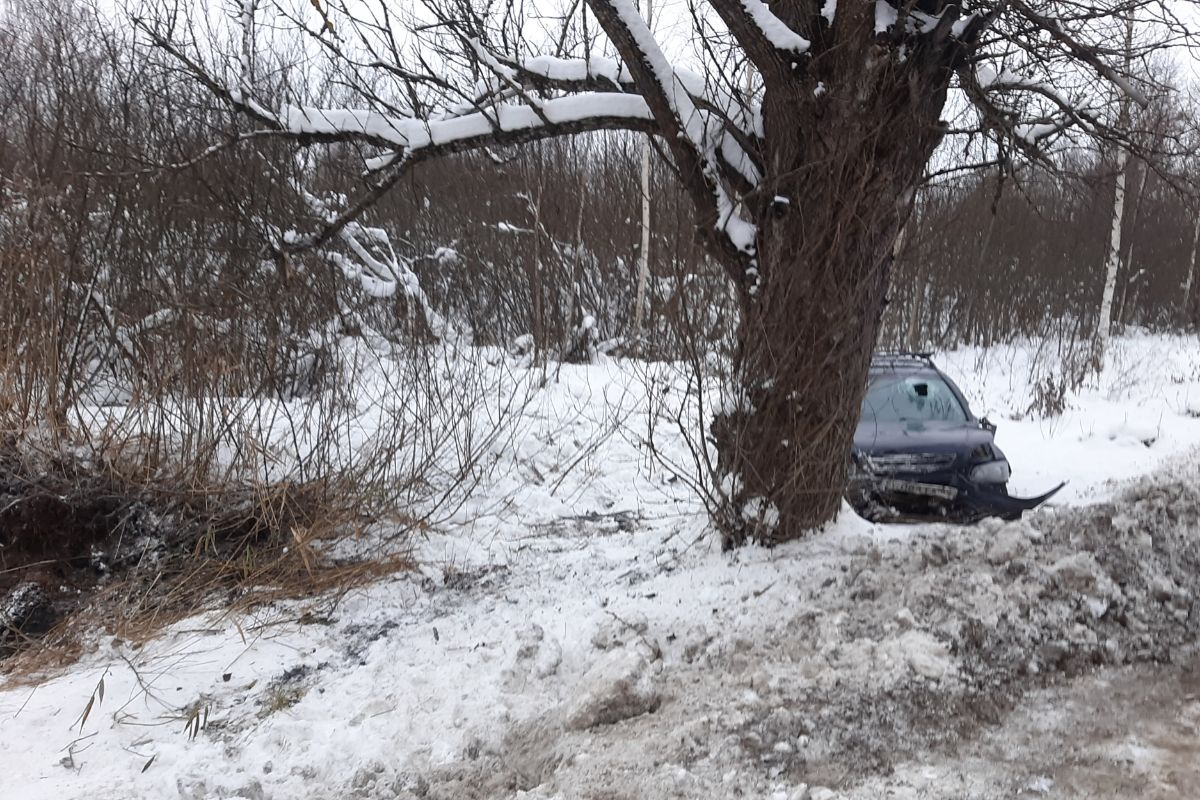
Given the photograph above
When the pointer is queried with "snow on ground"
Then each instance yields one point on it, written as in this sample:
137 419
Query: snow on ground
1144 408
575 632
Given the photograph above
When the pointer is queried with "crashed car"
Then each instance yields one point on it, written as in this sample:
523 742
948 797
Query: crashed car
920 453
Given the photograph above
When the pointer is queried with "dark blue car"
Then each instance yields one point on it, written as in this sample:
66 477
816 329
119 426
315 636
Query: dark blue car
919 452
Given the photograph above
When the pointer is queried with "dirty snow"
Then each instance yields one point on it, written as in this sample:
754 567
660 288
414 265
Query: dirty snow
576 632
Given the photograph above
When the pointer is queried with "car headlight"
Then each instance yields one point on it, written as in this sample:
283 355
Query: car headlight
984 452
991 472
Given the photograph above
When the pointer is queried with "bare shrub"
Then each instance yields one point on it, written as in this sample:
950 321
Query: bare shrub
185 415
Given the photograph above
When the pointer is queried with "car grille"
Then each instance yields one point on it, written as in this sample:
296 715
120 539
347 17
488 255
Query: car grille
910 462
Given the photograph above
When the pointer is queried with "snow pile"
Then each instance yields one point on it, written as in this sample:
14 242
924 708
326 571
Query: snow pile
618 686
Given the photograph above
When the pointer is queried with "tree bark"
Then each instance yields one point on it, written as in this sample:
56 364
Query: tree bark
827 226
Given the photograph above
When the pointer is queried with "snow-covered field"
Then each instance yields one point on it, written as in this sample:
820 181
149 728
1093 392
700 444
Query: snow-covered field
1143 409
576 632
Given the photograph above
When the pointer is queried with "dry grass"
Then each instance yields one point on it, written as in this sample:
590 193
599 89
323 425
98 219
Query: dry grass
231 548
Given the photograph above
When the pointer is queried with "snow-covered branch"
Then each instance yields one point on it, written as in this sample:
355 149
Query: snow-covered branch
1084 53
768 41
768 88
692 136
510 123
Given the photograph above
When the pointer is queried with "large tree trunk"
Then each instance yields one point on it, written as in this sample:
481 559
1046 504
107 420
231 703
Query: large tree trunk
810 317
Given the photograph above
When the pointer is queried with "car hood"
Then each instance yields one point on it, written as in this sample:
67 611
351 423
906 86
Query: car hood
919 437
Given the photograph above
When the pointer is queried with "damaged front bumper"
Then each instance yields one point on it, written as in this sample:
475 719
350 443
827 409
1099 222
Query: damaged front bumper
956 498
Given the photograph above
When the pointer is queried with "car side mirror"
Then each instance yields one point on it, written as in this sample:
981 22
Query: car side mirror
987 425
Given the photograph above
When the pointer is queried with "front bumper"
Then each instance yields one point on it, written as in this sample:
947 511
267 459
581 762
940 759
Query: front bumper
948 496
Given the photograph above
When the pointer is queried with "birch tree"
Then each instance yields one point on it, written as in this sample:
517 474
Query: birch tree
800 184
1113 261
1185 292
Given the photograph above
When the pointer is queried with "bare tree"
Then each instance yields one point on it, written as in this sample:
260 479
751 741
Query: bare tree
800 180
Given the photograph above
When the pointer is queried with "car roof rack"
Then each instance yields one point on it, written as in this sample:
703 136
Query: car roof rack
902 358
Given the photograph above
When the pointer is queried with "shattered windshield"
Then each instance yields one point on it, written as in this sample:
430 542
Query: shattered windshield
911 398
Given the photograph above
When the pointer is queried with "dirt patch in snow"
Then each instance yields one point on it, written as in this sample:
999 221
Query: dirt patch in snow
1114 734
